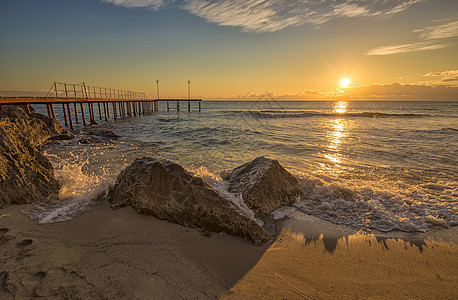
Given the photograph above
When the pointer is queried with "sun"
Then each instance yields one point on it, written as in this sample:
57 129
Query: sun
344 82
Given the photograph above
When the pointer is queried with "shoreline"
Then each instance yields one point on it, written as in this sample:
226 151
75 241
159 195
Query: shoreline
121 254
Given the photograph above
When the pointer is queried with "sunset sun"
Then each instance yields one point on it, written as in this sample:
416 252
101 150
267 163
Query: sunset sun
344 82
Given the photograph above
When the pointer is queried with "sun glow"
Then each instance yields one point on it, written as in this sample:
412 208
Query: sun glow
344 82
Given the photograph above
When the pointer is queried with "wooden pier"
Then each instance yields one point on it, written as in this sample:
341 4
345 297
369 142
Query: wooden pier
71 96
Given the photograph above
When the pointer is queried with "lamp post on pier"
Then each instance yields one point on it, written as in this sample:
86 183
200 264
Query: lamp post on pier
189 95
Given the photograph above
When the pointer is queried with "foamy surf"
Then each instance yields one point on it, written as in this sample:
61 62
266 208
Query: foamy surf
80 185
382 205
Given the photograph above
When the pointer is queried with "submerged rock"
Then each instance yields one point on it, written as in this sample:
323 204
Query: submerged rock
103 133
98 136
265 185
94 140
26 175
167 191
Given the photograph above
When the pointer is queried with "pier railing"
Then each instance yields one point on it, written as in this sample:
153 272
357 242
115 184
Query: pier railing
123 103
83 91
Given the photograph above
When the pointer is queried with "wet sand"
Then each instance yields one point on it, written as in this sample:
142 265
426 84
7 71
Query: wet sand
105 254
335 263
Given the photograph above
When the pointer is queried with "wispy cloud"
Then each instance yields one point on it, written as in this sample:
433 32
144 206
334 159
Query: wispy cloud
152 4
430 36
262 15
274 15
444 76
403 48
441 31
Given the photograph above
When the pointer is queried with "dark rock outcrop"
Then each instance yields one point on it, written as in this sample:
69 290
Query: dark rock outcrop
167 191
265 185
26 175
103 133
98 136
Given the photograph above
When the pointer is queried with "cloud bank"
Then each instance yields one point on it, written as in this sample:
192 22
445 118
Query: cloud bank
274 15
372 92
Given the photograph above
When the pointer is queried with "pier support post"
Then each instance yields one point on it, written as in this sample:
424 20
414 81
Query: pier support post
168 107
178 105
129 108
53 113
199 105
65 114
114 110
91 110
48 110
82 113
76 113
189 106
70 116
100 112
27 109
105 111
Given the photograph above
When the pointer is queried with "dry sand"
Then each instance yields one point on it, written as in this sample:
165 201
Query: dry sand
107 254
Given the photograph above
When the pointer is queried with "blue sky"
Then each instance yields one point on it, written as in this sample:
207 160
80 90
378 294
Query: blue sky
234 49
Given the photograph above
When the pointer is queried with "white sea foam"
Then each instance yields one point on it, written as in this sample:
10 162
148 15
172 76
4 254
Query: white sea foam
384 205
216 182
284 211
79 187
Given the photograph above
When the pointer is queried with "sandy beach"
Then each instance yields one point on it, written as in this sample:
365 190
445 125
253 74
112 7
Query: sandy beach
106 254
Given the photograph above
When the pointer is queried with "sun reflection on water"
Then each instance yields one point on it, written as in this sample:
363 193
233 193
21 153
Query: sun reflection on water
340 107
338 131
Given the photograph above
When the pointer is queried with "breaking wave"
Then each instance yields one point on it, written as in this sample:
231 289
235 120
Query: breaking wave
305 114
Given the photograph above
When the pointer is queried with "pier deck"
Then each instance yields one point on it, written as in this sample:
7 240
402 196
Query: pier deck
123 103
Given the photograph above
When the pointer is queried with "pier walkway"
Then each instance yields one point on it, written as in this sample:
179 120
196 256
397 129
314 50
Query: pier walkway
114 102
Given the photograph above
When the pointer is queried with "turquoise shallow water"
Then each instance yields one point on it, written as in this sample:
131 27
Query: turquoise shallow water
373 165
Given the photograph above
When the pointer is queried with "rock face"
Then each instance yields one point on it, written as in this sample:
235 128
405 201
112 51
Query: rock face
26 175
265 185
167 191
57 131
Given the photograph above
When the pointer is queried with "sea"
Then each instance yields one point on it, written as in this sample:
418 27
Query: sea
388 166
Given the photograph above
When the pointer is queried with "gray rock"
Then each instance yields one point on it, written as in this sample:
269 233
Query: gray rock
265 185
167 191
26 175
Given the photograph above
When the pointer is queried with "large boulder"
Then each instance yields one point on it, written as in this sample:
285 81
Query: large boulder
167 191
265 185
26 175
